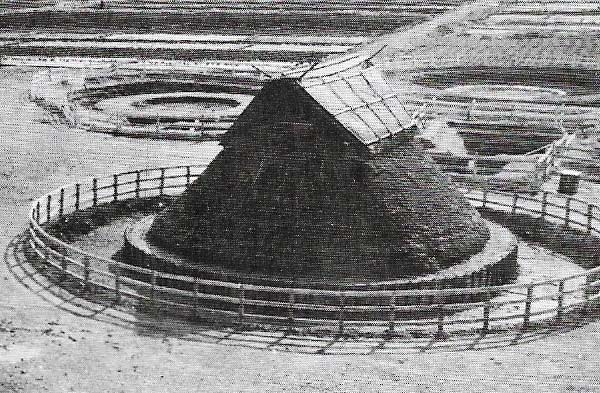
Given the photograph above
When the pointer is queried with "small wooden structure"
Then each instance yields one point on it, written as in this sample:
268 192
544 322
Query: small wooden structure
569 181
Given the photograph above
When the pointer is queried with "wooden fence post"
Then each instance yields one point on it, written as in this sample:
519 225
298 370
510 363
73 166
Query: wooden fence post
552 155
63 266
485 196
587 291
590 215
117 284
486 316
514 203
242 300
115 187
162 181
94 192
392 315
187 176
341 314
528 301
567 211
196 297
544 169
544 203
37 214
46 254
291 301
440 324
86 273
77 195
560 300
48 204
153 291
61 203
486 312
137 184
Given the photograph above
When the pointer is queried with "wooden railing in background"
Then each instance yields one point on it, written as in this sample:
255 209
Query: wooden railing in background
523 173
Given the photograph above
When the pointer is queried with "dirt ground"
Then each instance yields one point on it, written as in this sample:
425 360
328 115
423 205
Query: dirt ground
46 346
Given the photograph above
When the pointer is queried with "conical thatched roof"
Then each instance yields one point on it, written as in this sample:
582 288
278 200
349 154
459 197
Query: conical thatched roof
301 191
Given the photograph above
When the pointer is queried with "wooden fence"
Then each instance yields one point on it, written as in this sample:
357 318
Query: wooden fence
524 173
438 311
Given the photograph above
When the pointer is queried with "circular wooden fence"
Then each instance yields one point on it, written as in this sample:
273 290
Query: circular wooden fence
438 311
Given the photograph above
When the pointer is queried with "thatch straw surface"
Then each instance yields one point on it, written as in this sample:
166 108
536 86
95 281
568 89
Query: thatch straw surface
293 194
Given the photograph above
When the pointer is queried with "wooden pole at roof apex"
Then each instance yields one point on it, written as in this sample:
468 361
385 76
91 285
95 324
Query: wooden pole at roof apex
367 62
312 66
261 71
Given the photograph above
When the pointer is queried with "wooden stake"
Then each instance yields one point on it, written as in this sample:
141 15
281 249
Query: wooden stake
561 298
115 187
77 195
514 203
392 316
63 266
86 273
162 181
137 184
486 316
242 298
590 215
567 211
440 325
291 301
197 297
527 313
341 314
544 203
61 203
94 192
48 203
117 284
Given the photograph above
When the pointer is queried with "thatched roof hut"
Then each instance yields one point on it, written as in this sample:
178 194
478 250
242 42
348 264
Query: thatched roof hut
321 178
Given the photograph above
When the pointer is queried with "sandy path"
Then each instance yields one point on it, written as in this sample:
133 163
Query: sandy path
406 40
45 349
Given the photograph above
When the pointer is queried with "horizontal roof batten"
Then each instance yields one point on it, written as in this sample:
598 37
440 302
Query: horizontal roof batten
321 81
365 104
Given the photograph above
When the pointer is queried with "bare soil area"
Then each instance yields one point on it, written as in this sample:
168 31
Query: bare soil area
46 345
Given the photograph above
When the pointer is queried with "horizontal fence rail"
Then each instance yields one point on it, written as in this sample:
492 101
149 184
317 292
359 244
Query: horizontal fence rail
524 173
438 310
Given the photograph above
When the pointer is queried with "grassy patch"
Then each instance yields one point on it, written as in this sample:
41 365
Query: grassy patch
582 248
82 222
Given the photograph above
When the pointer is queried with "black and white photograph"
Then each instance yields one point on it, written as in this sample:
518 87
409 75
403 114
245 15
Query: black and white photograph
299 196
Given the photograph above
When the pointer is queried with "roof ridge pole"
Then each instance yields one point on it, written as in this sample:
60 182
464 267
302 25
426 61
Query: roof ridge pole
261 71
333 63
368 62
308 70
337 79
350 108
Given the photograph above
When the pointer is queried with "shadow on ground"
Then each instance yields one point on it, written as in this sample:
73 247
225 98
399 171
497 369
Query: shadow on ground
74 298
